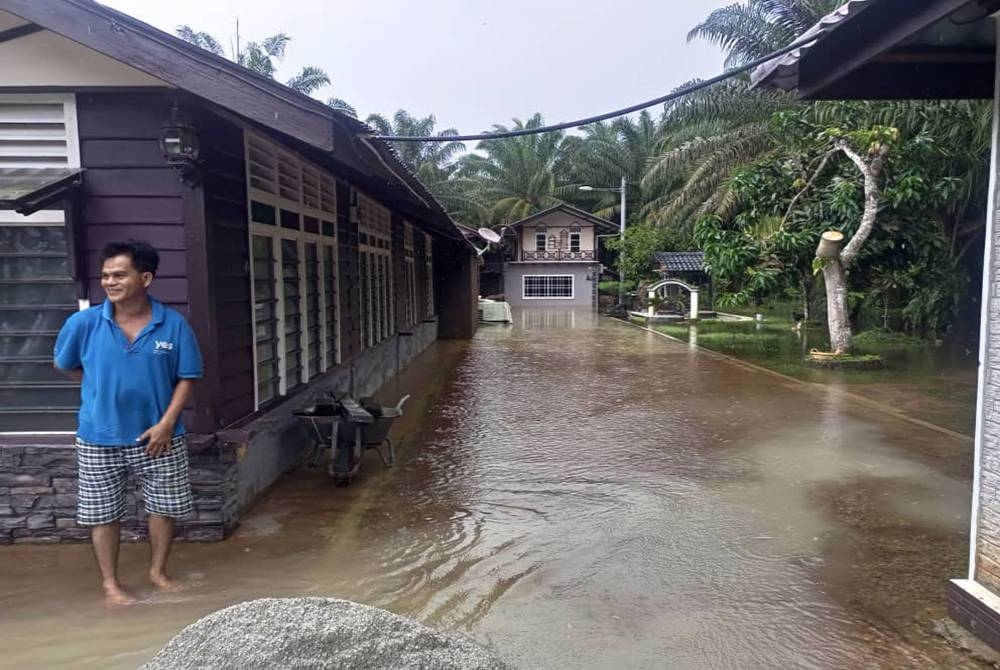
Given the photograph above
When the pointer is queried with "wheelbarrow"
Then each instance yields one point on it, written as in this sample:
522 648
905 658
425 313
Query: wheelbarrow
320 422
347 428
375 434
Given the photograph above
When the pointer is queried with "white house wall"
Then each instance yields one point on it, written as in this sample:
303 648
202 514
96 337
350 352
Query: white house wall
985 536
44 59
553 223
585 277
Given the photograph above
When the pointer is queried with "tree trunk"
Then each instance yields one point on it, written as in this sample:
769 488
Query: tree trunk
837 316
805 302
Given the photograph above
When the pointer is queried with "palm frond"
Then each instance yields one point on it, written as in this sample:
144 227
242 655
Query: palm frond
308 80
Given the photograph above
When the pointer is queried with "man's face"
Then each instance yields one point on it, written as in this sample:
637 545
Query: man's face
121 281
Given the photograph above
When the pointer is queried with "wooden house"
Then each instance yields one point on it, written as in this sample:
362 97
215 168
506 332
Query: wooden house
304 253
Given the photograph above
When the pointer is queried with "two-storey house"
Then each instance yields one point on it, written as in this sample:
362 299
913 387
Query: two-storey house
552 258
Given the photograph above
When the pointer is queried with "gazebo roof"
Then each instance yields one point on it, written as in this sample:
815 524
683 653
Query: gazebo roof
680 261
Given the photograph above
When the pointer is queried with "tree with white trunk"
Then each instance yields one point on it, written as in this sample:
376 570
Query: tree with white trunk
867 150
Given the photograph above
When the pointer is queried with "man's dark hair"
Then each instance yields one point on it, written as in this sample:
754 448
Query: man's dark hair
144 257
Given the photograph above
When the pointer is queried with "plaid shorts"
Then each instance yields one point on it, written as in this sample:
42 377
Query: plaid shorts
104 471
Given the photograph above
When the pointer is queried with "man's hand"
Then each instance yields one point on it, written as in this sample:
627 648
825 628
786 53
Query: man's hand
159 437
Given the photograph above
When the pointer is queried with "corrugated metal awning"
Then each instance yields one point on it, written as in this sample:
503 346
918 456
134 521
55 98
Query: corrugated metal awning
27 190
783 71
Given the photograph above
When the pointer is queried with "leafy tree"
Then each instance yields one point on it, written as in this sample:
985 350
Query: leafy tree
636 249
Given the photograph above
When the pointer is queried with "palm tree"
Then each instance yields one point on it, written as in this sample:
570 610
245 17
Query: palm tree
707 137
416 154
751 29
519 176
261 57
608 151
704 139
436 164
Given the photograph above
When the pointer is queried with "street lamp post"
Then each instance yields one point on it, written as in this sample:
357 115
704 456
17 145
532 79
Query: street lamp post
621 233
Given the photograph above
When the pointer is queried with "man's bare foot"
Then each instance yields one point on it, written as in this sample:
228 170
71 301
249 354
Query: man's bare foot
163 582
115 595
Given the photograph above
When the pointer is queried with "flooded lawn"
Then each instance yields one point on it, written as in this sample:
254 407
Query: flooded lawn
581 493
934 383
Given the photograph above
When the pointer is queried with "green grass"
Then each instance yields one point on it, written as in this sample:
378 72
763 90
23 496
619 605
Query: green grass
879 338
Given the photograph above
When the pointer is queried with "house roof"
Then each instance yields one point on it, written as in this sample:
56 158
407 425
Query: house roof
339 138
680 261
783 71
572 211
891 49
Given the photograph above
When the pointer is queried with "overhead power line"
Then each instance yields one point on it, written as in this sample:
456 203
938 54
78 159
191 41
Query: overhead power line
678 93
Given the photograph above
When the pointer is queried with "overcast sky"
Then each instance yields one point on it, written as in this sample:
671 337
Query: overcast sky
471 63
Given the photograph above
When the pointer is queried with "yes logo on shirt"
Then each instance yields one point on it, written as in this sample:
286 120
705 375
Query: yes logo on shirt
162 347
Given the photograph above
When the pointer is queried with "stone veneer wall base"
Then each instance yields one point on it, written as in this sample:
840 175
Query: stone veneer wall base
229 470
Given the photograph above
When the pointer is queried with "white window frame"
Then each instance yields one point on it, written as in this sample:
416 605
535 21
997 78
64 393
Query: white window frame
276 234
379 287
49 217
540 241
524 288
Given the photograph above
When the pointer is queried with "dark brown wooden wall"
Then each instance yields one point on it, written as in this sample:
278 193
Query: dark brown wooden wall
128 190
420 267
229 340
456 284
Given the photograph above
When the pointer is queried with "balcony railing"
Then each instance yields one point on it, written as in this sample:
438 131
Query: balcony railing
561 255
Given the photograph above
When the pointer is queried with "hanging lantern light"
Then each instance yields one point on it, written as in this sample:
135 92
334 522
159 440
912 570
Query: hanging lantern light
179 144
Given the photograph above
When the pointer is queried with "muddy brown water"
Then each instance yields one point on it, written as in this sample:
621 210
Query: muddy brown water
579 493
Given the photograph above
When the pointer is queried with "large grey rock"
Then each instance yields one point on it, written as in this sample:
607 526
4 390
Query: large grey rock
279 633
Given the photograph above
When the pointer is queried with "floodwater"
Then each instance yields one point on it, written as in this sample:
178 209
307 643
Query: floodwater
579 493
933 383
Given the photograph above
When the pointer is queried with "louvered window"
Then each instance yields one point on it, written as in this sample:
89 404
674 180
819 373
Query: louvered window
310 188
262 166
37 131
289 178
375 245
292 212
36 291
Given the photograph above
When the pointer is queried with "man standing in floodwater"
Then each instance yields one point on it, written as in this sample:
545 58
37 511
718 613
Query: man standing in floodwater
137 361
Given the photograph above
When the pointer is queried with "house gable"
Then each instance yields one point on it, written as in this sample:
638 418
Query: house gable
45 59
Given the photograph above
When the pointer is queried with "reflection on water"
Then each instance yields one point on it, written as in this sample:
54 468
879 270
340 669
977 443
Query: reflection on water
581 494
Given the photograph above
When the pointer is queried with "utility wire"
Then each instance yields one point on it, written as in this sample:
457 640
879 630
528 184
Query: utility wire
678 93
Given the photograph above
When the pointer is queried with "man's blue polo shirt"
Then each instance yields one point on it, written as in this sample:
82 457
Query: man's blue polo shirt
126 387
